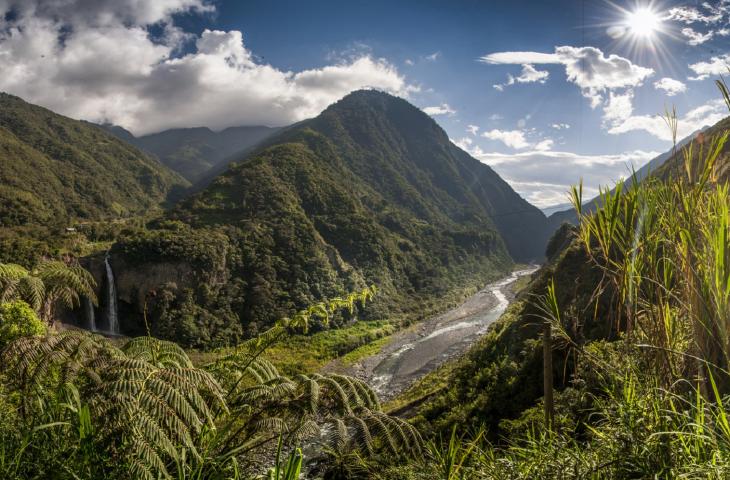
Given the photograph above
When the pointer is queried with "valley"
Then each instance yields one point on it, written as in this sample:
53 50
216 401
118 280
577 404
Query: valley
353 286
411 354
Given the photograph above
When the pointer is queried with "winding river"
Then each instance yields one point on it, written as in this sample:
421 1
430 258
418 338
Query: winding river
413 353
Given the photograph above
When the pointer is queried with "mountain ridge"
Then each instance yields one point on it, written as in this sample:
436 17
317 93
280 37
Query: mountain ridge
193 152
55 169
370 191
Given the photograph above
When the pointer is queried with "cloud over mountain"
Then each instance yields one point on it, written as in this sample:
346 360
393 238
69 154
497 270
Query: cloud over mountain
544 177
128 63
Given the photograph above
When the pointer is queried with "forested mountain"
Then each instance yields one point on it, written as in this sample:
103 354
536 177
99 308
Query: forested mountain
370 191
193 152
54 169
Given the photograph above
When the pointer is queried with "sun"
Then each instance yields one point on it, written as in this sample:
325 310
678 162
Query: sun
643 22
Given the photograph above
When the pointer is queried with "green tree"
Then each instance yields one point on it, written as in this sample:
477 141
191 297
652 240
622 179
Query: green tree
18 319
49 283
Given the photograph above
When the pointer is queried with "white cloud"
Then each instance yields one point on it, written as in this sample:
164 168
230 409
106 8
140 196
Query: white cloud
433 57
512 138
560 126
593 72
529 75
708 15
472 129
671 86
544 145
464 143
101 61
587 67
545 177
495 117
616 31
516 139
716 66
513 58
690 15
409 62
697 118
443 109
618 107
696 38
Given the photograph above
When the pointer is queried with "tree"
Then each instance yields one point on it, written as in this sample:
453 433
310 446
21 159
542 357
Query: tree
49 283
17 320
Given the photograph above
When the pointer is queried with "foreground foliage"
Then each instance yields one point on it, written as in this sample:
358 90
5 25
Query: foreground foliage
74 405
652 402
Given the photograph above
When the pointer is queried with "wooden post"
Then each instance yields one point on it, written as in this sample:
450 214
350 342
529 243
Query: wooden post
547 375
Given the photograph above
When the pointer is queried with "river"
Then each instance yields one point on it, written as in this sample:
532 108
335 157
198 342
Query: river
415 352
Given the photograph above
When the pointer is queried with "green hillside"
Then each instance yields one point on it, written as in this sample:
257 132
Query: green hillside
194 152
370 191
54 170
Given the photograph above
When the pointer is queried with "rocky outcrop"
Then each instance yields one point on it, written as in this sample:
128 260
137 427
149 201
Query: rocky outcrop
136 283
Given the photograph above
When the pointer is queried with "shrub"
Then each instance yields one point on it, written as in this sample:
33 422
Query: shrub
18 319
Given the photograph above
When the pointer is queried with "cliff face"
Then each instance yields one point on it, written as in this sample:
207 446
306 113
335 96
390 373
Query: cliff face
135 285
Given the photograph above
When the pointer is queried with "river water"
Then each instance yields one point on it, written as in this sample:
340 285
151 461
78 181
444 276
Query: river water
414 353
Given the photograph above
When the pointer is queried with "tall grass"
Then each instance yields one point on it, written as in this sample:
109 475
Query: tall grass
659 396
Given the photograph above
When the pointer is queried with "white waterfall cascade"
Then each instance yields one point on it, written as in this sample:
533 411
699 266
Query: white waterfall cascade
111 300
90 319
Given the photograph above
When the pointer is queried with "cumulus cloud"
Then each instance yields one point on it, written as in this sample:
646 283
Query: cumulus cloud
544 145
716 66
697 118
529 75
690 15
516 139
472 129
443 109
103 61
618 108
671 86
707 16
587 67
696 38
512 138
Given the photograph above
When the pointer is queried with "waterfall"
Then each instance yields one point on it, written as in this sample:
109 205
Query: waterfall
111 298
89 309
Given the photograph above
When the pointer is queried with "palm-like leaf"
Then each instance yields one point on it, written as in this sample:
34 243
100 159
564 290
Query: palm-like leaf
50 282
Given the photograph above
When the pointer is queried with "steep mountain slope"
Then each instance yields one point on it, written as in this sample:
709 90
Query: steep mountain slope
675 165
370 191
192 152
54 169
395 148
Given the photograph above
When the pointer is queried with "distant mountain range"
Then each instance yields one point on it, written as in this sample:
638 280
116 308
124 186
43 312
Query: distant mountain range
194 152
555 208
54 169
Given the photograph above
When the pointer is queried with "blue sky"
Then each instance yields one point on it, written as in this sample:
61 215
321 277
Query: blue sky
544 91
